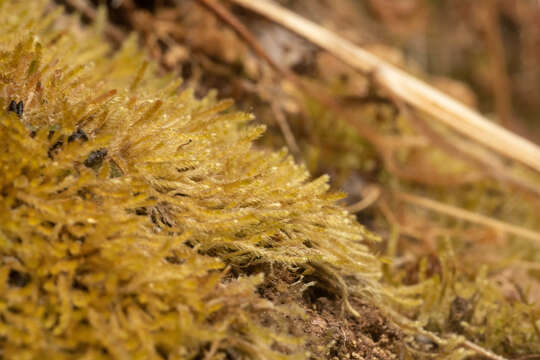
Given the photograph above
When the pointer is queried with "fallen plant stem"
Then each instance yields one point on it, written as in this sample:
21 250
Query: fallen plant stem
480 350
468 216
411 90
317 93
466 152
502 174
306 88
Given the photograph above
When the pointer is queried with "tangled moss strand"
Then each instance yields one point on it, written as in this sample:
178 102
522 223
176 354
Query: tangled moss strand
122 200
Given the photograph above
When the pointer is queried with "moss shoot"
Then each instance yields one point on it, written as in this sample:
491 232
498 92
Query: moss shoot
124 200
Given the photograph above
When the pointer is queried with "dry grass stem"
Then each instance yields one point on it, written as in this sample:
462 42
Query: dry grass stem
468 216
480 350
471 153
413 91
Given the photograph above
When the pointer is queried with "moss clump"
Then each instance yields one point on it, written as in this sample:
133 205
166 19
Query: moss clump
122 199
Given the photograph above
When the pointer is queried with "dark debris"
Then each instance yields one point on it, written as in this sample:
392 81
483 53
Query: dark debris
18 279
95 159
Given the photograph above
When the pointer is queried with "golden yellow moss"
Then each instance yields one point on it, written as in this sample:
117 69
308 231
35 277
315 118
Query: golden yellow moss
122 199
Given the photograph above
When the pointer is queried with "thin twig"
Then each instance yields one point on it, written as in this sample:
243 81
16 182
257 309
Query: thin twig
371 194
413 91
285 129
227 17
484 352
468 216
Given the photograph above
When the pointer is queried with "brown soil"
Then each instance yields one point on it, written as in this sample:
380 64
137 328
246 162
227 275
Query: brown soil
329 332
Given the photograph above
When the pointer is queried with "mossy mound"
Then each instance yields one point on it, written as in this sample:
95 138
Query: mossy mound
123 199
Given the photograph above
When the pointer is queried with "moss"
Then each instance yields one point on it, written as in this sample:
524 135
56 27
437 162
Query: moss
133 214
460 307
123 199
